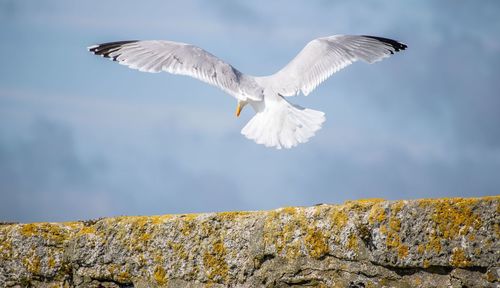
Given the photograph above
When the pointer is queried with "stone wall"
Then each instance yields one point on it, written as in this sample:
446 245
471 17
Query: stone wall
365 243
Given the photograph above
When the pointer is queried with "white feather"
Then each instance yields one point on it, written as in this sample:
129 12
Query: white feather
322 57
281 124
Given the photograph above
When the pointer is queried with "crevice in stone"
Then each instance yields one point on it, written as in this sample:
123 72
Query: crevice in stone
356 285
408 271
259 261
267 257
476 269
433 269
365 234
102 281
302 282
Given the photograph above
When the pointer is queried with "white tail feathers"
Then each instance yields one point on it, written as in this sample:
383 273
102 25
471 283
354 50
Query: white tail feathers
282 124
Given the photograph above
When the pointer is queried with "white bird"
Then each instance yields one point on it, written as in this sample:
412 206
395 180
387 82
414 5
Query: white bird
277 122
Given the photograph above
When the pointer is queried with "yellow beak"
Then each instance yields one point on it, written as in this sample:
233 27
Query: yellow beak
238 109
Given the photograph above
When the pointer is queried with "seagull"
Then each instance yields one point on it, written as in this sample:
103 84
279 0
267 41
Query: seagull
277 122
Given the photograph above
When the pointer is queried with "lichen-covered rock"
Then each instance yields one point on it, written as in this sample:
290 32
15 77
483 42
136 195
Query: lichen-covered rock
366 243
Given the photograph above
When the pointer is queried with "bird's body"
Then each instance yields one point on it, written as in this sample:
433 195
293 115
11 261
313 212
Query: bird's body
277 123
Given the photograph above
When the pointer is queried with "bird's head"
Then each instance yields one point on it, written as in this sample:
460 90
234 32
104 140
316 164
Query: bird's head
240 106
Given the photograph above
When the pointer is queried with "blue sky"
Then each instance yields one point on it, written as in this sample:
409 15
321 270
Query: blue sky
82 137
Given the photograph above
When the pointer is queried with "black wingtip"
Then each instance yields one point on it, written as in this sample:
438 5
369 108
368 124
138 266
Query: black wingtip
398 46
105 49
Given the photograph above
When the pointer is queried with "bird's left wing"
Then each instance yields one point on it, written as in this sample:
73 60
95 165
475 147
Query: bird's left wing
322 57
180 58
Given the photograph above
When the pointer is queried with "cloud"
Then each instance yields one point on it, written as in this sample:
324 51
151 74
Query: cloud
66 165
42 176
234 11
395 173
108 141
45 178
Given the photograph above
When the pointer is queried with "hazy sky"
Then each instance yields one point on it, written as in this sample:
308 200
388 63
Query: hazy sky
82 137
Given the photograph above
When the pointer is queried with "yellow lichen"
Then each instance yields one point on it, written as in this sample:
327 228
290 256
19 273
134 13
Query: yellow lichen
392 240
369 201
5 248
29 230
51 262
48 231
352 243
395 224
396 207
139 231
282 229
418 281
231 216
32 264
160 275
215 262
188 223
458 258
491 276
402 251
86 230
426 263
433 244
451 218
392 227
317 243
189 217
293 250
495 199
454 217
179 250
377 214
339 219
477 251
370 284
136 221
72 224
289 210
383 229
160 219
145 237
362 205
111 269
123 277
421 249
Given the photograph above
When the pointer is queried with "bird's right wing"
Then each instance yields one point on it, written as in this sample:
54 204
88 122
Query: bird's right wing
322 57
184 59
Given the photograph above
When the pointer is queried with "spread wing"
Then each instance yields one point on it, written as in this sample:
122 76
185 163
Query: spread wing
322 57
184 59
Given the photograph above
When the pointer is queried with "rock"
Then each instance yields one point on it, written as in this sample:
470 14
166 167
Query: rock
365 243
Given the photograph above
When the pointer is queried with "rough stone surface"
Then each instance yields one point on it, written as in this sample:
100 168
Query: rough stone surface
366 243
